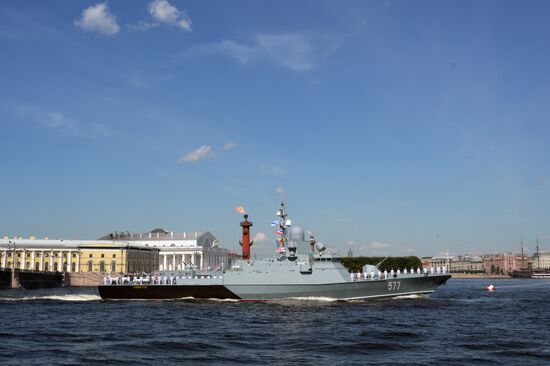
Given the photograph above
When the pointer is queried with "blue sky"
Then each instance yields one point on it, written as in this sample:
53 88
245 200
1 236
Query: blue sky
393 127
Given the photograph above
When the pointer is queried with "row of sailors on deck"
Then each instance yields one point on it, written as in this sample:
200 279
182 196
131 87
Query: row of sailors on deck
392 274
147 280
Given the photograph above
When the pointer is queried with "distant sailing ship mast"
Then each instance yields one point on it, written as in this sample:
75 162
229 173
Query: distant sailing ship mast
522 256
538 257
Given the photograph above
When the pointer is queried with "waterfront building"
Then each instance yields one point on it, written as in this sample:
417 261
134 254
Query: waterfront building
178 250
467 264
542 262
441 261
506 263
59 255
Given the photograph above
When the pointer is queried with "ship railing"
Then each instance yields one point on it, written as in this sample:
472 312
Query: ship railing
369 276
153 280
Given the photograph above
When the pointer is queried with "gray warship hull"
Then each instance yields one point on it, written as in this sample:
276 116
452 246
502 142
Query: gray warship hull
295 272
208 288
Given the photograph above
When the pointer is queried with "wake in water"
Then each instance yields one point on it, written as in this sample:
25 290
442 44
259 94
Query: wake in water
69 297
412 296
313 298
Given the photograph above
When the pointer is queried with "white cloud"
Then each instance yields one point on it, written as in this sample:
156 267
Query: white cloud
229 146
291 50
280 191
260 237
272 169
57 120
351 242
298 51
164 12
379 245
97 18
202 152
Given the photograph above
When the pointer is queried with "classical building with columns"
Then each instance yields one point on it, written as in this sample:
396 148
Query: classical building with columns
178 250
116 252
58 255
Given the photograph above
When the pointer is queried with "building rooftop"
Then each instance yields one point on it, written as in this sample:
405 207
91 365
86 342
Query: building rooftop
156 234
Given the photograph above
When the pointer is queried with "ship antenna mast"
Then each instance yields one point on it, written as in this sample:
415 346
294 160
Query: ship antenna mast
282 230
522 256
538 257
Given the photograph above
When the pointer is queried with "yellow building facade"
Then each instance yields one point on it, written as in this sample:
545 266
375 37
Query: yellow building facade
76 256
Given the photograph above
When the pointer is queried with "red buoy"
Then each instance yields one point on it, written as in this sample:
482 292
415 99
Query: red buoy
490 287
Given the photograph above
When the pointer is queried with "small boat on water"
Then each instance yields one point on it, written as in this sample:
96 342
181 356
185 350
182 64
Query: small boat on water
301 268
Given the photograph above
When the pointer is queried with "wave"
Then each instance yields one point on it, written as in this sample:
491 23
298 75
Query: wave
313 298
412 296
81 297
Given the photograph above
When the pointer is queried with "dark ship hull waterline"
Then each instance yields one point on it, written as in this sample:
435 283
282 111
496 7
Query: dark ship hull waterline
368 289
295 273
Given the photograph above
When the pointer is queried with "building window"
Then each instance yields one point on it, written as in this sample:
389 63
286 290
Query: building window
102 255
28 265
65 267
73 267
102 266
114 255
90 266
19 254
46 266
18 265
55 266
37 266
74 255
113 266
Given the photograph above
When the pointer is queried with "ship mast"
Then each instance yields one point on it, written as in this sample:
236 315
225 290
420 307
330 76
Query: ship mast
282 231
522 255
538 257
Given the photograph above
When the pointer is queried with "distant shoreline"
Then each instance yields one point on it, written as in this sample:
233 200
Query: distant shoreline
479 275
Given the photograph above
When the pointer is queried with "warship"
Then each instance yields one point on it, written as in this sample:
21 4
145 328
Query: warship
301 268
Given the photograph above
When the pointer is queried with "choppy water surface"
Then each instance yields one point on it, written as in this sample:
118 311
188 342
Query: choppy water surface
461 324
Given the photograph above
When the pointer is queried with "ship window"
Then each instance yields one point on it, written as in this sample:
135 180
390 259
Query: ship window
102 266
90 266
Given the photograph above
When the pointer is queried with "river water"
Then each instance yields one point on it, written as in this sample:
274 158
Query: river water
460 324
